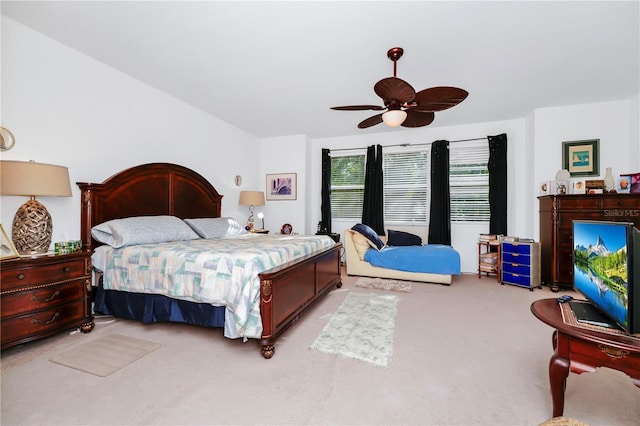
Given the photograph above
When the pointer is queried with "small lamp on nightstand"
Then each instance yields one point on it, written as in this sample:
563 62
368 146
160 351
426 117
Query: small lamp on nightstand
261 217
251 199
32 226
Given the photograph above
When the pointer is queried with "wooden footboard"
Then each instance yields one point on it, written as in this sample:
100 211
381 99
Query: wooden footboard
290 290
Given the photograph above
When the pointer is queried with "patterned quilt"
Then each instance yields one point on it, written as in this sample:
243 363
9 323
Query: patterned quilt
222 272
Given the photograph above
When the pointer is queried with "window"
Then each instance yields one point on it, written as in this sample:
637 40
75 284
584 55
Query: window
469 181
406 189
406 184
347 186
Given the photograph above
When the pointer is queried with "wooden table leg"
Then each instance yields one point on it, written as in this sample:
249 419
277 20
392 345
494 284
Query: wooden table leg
558 372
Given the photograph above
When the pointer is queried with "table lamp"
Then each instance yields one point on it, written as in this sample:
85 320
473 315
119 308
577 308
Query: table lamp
32 226
251 199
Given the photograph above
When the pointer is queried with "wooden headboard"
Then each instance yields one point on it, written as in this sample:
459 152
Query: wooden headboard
146 190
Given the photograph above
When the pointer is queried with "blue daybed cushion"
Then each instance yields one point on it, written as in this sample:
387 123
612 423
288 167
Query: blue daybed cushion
369 234
401 238
430 258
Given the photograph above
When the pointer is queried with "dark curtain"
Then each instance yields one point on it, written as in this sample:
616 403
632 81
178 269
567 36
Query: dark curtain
325 208
440 213
498 184
373 206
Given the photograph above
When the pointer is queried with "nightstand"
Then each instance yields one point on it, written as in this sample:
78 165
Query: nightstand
42 296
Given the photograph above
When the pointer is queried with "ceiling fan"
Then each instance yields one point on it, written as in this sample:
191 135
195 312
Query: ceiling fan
404 106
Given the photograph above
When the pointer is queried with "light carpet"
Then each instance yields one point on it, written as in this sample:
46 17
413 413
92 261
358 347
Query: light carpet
106 355
384 284
361 328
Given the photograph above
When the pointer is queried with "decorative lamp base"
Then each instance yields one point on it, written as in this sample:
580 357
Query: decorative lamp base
32 228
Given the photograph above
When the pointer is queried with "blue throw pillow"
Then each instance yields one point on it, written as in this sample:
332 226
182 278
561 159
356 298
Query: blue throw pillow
400 238
369 234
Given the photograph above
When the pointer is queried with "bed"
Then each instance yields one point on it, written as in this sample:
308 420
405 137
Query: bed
355 253
286 291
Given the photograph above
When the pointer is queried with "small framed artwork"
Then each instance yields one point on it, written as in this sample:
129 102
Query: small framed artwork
581 158
578 186
7 249
282 186
623 185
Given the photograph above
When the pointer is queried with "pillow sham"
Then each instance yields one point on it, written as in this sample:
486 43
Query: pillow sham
360 243
370 235
216 227
142 230
401 238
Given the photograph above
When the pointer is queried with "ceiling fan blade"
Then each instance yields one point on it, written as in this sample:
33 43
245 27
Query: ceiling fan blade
418 118
371 121
358 108
393 88
439 98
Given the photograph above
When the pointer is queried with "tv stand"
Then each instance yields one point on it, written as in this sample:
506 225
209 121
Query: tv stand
581 350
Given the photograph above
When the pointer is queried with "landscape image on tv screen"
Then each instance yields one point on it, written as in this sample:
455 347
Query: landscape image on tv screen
600 266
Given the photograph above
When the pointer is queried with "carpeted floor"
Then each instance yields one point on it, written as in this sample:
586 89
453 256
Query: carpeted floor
384 284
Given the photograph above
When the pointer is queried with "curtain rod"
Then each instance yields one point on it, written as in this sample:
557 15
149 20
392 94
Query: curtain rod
410 144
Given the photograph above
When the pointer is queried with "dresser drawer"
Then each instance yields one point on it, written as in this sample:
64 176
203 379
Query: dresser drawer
42 322
59 271
622 202
41 298
517 268
517 248
602 355
579 203
516 258
517 279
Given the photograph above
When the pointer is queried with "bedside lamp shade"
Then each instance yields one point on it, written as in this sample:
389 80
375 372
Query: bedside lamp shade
32 227
251 199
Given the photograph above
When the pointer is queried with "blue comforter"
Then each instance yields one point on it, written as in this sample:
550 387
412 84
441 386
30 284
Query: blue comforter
429 258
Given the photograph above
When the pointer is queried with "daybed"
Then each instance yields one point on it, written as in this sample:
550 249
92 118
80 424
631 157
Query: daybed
356 265
282 293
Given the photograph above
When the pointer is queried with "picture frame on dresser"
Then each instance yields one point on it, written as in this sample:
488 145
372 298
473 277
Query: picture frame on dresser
7 249
581 158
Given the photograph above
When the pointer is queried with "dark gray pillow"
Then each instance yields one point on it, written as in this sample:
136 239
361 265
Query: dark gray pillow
400 238
369 234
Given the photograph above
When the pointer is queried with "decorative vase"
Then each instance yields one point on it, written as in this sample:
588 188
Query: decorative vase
609 184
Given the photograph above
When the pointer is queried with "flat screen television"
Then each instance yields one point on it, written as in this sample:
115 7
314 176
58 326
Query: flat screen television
606 270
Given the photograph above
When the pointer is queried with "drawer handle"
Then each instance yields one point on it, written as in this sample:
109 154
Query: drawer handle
515 255
53 296
37 321
66 269
515 264
613 352
21 276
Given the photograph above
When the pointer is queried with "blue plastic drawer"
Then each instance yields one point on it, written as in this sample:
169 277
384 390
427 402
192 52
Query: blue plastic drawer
516 248
517 268
517 279
516 258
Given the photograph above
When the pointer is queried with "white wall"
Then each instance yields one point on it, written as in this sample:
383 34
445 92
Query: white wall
68 109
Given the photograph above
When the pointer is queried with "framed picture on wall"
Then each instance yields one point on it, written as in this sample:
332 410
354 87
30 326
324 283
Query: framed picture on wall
282 186
581 158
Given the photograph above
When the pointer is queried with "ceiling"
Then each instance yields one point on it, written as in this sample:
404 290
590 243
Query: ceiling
275 68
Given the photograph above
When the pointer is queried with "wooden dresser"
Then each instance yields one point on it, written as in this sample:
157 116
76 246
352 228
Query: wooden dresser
41 296
557 213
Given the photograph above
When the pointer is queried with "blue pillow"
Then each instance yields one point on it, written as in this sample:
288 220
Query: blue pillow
369 234
400 238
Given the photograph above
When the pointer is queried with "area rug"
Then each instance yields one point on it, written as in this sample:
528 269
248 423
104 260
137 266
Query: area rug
384 284
361 328
105 355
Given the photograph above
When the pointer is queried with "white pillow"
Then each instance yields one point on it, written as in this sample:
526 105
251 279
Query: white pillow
216 227
142 230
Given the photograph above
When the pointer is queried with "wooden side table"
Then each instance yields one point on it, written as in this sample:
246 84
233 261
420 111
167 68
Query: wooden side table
581 350
41 296
489 258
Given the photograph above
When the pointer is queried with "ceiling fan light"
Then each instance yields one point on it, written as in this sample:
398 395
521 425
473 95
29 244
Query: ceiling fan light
394 117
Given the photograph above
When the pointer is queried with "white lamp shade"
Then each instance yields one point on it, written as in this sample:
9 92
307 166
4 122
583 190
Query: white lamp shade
251 198
394 117
34 179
